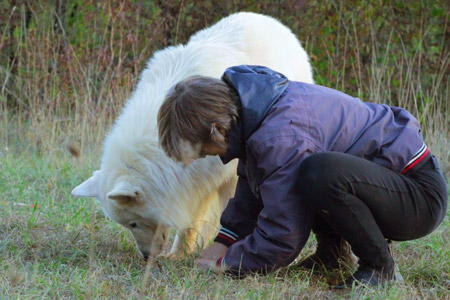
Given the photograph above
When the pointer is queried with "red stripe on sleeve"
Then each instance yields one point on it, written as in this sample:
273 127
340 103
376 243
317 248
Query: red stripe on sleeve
226 238
415 163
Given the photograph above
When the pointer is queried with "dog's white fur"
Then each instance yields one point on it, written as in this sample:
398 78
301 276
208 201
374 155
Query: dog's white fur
137 184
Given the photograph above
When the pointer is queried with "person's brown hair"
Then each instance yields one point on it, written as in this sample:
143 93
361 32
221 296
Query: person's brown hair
190 109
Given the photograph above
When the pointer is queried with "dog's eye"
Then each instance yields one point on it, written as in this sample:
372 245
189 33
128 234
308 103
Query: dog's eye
133 225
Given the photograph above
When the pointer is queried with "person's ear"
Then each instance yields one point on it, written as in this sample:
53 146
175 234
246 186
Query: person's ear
218 133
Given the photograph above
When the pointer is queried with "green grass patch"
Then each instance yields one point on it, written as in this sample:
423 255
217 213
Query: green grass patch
54 246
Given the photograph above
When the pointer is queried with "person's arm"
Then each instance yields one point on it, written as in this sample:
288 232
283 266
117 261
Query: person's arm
238 220
241 213
284 223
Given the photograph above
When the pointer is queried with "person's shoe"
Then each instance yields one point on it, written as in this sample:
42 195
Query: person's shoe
370 276
330 254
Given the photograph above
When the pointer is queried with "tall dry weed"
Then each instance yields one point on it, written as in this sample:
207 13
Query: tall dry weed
59 90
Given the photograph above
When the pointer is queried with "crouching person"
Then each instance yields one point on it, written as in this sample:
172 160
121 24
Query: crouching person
310 158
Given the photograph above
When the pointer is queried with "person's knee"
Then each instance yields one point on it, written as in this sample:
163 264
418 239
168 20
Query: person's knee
313 169
315 175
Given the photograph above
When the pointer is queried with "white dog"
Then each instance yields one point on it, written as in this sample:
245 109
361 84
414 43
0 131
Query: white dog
142 189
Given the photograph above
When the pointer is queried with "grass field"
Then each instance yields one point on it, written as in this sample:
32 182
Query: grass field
57 247
61 89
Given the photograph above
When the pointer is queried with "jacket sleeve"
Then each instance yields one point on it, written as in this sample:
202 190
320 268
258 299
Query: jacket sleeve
284 223
240 215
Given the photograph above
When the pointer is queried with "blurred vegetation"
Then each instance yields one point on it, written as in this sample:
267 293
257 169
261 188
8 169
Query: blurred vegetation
67 67
343 38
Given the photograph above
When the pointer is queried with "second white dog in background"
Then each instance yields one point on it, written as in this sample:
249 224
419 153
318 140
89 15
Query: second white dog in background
142 189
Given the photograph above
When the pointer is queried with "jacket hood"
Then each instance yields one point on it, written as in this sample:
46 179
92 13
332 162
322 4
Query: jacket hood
258 88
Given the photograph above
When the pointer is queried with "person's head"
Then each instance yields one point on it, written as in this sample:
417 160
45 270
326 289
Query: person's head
195 117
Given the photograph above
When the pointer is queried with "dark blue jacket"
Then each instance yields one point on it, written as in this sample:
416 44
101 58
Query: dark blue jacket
281 123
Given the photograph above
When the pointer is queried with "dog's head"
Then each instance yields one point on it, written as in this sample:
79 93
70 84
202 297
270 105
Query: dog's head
125 200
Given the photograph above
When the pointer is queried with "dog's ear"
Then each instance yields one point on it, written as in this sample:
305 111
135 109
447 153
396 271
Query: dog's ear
89 188
124 193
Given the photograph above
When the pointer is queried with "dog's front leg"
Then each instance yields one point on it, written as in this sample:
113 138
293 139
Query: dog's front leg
186 241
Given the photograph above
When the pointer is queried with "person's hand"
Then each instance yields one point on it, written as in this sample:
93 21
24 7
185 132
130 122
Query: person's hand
209 256
211 265
213 252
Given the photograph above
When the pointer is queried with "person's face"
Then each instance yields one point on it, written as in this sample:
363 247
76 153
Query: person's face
218 144
214 148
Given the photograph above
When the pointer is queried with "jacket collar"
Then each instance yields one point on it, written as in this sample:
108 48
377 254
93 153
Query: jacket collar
236 144
258 88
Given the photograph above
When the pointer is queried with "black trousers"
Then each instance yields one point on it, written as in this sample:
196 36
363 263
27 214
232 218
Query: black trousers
366 203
